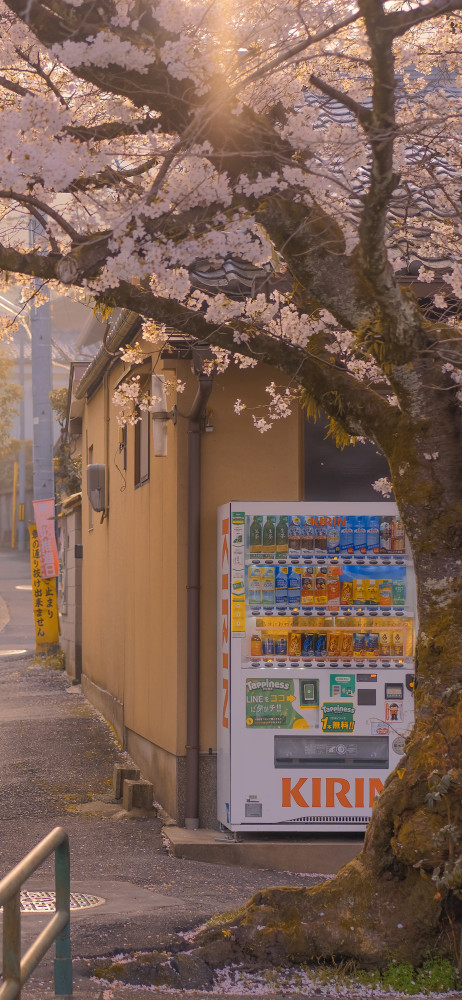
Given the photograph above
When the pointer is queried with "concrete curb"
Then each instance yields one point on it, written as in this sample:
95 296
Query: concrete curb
306 856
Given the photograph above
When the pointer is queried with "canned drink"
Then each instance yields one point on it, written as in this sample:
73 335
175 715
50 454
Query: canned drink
399 593
295 644
267 645
384 644
320 645
347 643
346 592
334 643
255 645
385 593
359 590
372 591
358 643
397 643
308 640
280 645
372 643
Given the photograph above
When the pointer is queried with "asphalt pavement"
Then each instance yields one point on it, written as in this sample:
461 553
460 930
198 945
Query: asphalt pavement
56 762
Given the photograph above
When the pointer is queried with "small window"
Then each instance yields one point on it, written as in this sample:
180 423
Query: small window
142 447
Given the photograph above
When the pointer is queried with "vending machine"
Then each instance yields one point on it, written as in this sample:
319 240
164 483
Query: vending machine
316 636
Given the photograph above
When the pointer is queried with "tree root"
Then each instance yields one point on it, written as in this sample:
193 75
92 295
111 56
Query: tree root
354 916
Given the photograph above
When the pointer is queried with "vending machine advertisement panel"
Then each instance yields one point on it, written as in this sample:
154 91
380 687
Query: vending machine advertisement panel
316 637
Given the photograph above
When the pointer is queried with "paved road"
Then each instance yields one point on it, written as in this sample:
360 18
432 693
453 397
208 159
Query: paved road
16 616
56 761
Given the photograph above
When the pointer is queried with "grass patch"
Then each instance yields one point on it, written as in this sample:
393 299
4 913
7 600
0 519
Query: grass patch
53 661
435 975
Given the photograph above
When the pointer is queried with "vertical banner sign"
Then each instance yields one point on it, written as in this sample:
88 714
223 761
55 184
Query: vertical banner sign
43 596
44 511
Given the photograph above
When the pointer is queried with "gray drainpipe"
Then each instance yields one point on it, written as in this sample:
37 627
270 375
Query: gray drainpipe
195 428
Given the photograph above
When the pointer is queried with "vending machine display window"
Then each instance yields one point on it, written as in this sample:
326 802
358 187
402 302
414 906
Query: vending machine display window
394 691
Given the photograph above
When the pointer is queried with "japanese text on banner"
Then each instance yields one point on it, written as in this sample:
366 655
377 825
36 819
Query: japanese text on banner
45 524
43 597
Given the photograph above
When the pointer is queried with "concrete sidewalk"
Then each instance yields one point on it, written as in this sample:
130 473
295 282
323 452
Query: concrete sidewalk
137 886
56 762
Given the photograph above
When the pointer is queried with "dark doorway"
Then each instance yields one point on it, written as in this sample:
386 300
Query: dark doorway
331 474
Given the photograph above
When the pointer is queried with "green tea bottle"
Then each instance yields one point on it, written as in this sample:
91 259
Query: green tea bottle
282 537
269 536
255 540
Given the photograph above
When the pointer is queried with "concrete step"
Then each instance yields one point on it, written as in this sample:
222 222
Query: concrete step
320 855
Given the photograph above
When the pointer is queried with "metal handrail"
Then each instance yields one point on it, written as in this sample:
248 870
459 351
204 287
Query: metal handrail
16 971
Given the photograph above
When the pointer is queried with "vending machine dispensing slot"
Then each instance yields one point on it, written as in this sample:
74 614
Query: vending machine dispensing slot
349 752
316 637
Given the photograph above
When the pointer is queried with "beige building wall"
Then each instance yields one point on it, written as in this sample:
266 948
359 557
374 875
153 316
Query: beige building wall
134 568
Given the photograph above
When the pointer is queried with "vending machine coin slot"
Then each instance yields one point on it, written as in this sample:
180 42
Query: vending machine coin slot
410 682
367 696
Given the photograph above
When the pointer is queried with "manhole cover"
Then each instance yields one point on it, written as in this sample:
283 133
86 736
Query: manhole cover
43 901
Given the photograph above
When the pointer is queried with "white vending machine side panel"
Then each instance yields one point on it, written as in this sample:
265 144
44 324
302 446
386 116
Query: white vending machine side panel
224 666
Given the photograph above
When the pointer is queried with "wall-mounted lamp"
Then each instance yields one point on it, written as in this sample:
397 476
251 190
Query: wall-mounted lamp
160 415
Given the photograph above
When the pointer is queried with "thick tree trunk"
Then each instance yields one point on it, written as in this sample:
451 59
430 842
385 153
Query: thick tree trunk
398 899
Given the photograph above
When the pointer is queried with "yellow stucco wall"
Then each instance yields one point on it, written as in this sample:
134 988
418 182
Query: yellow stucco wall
134 568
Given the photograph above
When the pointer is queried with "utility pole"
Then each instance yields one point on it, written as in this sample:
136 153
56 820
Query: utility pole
40 323
22 452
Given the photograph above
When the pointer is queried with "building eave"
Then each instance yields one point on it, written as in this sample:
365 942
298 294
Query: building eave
123 332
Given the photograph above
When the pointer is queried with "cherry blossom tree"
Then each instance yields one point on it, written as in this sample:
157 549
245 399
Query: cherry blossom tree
321 142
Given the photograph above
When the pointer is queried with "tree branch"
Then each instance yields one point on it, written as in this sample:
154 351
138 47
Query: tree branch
41 206
111 130
14 87
396 311
295 50
359 408
401 21
364 115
